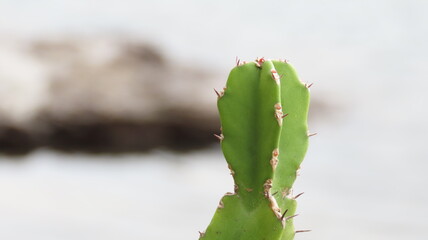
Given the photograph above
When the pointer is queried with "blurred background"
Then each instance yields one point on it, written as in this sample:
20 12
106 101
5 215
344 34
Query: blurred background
107 114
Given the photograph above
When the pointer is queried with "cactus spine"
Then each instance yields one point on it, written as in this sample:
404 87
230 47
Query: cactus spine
263 111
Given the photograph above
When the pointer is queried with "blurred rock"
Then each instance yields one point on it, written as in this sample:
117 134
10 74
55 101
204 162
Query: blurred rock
101 95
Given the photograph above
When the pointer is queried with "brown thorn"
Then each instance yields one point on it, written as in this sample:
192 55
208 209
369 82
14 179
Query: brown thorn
201 234
285 115
302 231
308 85
298 195
237 61
273 194
280 76
312 134
283 215
216 92
290 217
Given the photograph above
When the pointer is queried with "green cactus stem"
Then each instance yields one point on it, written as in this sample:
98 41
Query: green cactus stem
263 112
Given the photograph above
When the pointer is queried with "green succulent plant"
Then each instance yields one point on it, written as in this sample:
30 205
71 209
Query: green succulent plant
264 137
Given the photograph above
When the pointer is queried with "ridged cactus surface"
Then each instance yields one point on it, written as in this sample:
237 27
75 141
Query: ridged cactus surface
263 112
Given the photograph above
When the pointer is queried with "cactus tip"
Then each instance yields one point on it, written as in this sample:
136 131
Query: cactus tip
259 62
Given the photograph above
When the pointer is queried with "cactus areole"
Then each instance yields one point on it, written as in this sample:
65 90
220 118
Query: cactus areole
264 137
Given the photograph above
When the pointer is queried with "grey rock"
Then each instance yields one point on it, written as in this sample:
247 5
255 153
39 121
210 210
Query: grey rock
103 94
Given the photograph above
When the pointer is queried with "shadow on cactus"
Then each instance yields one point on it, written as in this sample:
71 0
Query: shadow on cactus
263 112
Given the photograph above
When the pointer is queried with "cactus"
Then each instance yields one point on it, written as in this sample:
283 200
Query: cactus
263 112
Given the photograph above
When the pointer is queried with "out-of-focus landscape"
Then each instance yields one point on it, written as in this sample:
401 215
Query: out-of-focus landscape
107 112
